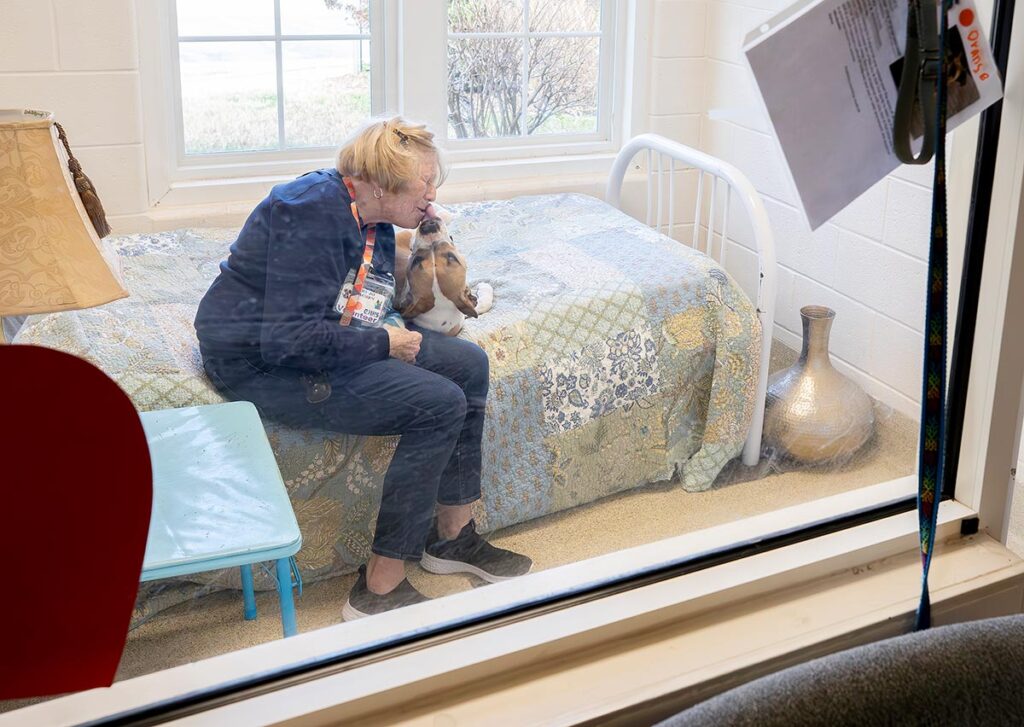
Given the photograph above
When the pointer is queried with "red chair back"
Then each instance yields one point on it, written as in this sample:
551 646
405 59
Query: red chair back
76 488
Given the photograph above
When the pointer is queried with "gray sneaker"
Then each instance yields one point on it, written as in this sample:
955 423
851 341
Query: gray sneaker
364 602
468 552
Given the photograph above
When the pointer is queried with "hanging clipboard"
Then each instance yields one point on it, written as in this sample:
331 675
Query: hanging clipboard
828 74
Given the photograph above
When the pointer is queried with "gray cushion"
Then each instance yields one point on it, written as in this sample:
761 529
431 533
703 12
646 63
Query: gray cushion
965 674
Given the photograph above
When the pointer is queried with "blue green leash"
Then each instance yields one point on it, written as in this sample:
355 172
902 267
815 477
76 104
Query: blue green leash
924 83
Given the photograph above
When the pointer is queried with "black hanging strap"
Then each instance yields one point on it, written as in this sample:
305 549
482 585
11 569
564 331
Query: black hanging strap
919 81
924 82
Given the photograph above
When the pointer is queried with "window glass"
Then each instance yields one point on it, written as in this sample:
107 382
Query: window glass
485 16
553 16
225 17
487 77
563 97
228 96
263 95
485 87
317 17
327 90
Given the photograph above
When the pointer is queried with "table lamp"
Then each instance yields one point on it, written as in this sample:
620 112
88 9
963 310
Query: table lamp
51 223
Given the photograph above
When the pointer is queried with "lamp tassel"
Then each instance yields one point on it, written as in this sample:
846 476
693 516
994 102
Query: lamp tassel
86 189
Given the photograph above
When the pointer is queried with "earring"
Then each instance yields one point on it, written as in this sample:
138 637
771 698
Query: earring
378 193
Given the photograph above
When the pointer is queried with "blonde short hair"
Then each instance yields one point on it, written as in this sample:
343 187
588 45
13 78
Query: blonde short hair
388 153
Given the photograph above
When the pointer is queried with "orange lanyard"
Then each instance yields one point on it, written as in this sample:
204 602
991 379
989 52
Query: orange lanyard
371 237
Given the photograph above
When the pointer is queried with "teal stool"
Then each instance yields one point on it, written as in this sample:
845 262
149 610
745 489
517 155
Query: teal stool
219 500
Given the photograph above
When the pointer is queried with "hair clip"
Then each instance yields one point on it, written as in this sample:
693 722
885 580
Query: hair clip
403 138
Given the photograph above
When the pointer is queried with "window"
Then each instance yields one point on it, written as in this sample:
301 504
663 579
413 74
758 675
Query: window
242 90
272 74
524 68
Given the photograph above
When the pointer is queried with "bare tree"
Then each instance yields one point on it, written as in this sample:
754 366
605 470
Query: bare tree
485 76
358 11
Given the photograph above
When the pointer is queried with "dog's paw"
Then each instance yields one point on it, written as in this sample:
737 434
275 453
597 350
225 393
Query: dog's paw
484 298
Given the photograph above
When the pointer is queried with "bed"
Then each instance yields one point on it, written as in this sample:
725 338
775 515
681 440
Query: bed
618 356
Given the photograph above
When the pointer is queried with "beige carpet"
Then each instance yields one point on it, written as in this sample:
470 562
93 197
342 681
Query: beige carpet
213 624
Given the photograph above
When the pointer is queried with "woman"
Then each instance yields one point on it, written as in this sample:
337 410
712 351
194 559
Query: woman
276 328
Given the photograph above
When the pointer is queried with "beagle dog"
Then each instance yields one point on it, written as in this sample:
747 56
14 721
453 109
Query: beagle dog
430 277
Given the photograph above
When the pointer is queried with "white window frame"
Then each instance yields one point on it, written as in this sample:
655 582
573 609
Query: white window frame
694 593
402 83
621 75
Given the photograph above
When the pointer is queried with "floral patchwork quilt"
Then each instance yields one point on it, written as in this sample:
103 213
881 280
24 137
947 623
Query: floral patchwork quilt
618 357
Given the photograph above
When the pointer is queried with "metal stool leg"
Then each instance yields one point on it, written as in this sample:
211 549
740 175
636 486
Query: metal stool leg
248 594
284 592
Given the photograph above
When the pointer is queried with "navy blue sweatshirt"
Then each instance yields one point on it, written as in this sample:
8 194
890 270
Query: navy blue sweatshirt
275 295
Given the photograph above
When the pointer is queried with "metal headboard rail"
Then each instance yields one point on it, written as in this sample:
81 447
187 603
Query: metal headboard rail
736 185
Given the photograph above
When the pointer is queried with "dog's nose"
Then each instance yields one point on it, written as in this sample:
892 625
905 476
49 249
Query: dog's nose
429 227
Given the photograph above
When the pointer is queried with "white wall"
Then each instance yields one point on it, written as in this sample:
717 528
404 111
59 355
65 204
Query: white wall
80 59
864 264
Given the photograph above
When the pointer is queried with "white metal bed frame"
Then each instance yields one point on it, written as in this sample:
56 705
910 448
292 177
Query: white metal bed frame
735 182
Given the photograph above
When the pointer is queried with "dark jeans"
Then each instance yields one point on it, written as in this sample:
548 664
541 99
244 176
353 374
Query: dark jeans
436 405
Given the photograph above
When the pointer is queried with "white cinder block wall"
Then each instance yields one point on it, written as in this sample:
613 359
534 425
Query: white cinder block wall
868 264
80 59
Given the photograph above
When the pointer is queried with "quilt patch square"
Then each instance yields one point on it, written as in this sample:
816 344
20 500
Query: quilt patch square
617 373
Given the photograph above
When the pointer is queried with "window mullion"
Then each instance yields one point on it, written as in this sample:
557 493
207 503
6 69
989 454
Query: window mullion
424 62
278 52
606 81
382 67
526 66
282 36
535 34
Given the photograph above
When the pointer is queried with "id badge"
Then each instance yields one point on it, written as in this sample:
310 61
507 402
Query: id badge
373 301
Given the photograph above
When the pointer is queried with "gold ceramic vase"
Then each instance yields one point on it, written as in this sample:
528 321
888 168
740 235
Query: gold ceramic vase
814 414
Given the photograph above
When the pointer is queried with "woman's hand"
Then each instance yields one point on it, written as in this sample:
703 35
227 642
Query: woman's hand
404 344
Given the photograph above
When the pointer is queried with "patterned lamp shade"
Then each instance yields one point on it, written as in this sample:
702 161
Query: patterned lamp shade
51 257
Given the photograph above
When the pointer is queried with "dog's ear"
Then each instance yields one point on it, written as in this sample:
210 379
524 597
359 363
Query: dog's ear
467 303
416 307
416 298
418 294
